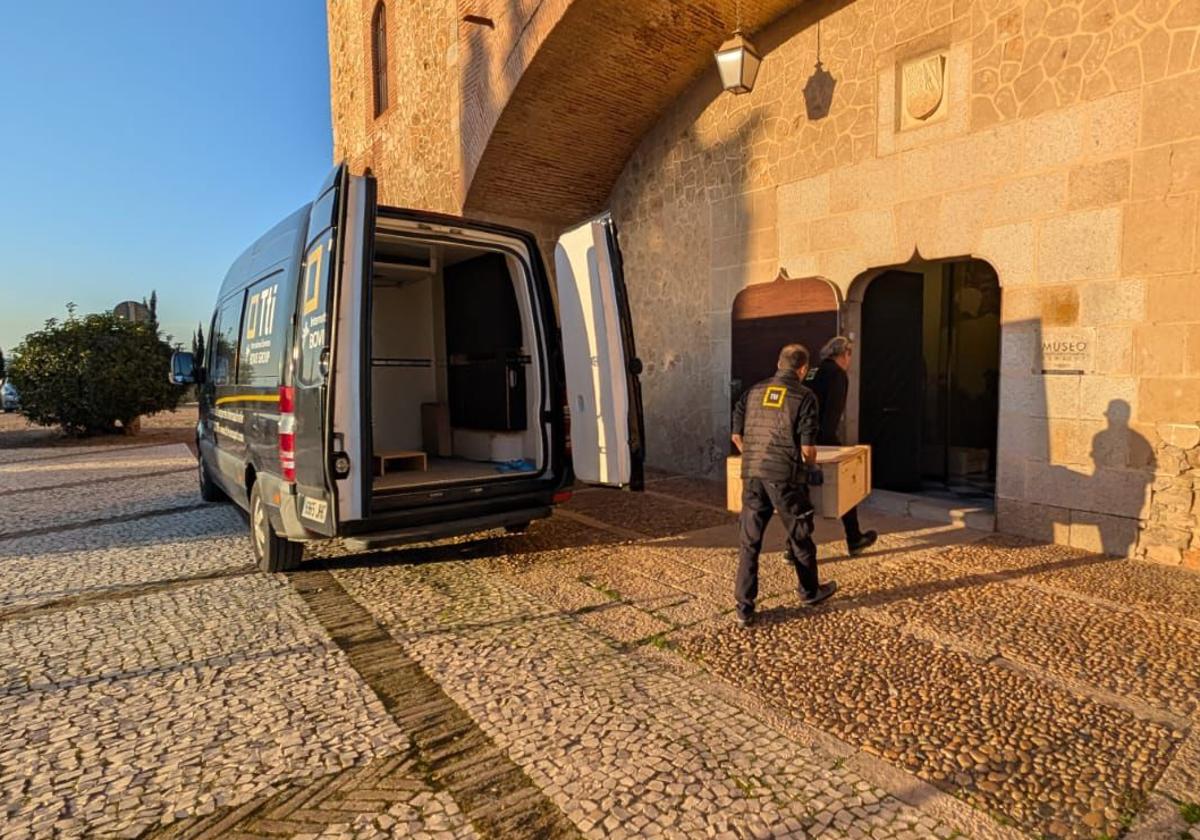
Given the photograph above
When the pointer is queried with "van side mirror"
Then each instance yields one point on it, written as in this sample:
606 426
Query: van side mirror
184 370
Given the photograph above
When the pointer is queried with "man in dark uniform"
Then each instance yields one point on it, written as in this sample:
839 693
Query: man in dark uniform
775 429
830 383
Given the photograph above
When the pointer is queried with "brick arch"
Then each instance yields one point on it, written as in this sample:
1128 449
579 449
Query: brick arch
552 114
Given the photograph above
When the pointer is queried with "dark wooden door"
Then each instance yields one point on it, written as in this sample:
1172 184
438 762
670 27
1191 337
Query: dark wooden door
891 384
768 316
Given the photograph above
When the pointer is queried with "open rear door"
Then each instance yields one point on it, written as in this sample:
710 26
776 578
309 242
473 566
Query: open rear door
333 441
603 388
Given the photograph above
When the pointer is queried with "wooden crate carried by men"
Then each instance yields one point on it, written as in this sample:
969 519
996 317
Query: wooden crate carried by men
847 472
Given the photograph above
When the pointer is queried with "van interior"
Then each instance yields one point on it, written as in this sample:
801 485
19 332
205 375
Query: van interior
456 375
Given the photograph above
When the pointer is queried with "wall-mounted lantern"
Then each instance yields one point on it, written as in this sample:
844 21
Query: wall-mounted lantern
738 61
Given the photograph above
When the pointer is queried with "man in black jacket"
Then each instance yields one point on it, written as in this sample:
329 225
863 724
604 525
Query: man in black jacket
775 429
830 383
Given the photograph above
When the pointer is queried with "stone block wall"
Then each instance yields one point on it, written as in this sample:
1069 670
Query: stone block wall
1068 157
1064 150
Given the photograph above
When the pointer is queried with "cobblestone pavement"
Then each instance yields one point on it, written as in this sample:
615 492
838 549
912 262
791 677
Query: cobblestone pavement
584 679
1055 690
147 674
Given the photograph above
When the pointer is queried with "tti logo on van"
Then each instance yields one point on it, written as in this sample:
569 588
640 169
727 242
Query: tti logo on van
260 319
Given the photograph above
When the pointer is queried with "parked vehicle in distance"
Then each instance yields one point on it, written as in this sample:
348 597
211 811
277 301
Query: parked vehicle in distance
10 400
388 376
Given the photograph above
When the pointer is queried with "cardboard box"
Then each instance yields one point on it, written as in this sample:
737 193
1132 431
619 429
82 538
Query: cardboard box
847 472
435 430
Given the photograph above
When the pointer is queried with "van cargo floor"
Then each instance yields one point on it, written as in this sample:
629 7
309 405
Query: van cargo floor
443 471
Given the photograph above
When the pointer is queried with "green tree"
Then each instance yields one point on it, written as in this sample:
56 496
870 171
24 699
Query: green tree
198 344
88 374
1 364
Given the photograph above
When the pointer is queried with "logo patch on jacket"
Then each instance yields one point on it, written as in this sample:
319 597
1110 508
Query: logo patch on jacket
773 398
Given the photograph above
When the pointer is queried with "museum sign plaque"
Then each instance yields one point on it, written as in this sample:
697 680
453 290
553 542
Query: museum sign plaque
1065 351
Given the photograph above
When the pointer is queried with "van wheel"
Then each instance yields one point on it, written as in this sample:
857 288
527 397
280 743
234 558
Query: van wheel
272 553
209 491
518 528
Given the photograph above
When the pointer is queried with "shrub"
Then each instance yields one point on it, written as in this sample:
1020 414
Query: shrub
88 374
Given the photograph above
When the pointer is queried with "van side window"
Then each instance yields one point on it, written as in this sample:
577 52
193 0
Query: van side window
261 349
225 340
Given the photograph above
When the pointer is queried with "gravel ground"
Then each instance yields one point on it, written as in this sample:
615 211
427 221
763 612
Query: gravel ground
21 440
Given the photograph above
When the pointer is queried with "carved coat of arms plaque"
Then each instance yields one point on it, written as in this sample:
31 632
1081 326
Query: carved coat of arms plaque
923 87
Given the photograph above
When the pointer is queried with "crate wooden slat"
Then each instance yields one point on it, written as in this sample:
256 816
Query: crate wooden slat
847 471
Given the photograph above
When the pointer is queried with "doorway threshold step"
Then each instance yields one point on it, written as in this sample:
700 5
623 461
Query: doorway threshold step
980 517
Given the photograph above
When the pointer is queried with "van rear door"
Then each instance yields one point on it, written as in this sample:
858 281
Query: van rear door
603 386
333 465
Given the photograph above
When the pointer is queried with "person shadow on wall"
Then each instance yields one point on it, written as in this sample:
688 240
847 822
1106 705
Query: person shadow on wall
1124 467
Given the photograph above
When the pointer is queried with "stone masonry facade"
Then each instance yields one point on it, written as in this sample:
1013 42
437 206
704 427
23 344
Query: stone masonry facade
1064 151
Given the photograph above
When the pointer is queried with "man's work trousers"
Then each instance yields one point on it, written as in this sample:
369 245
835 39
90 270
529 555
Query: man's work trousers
760 500
853 529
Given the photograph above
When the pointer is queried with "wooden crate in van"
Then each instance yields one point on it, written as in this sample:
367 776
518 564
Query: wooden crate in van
847 471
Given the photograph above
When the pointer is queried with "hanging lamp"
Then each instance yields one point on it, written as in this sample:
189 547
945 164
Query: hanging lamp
738 59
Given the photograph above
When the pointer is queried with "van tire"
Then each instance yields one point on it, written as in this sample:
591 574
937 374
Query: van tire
272 553
209 491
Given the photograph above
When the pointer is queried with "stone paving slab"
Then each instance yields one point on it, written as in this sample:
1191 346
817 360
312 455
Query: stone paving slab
626 749
26 512
82 562
94 466
122 713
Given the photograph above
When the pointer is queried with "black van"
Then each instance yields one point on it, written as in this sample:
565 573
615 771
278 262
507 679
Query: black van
388 376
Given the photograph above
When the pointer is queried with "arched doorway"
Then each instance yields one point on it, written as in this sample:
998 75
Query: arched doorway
929 378
766 316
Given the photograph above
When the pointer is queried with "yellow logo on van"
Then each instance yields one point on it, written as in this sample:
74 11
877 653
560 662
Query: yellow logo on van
312 280
260 314
774 396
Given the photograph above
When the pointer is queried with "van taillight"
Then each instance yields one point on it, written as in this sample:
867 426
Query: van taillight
287 432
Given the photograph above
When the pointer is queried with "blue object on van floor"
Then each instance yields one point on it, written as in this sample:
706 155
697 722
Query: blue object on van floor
520 465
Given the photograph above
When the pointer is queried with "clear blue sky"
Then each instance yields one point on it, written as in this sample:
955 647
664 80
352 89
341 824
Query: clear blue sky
145 143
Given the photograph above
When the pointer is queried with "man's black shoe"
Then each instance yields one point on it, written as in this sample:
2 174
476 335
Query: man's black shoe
744 619
824 591
863 543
